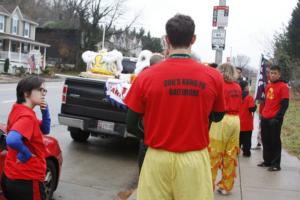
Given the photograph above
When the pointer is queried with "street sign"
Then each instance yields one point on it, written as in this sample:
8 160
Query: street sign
218 39
220 16
219 33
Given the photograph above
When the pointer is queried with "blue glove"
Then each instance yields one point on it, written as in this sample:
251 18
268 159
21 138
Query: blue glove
24 157
46 121
15 141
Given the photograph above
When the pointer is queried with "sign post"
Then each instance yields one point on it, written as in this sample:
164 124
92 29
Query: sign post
220 20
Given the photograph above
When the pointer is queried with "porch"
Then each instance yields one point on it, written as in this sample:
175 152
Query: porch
22 52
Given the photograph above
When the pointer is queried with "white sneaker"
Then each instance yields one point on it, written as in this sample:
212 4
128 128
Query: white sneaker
222 191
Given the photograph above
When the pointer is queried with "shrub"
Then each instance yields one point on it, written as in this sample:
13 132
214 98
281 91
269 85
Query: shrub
6 65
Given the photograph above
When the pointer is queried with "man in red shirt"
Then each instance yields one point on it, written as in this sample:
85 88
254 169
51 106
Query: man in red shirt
276 104
175 99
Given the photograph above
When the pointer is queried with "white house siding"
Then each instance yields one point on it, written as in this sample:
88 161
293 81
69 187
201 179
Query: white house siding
21 28
32 32
7 24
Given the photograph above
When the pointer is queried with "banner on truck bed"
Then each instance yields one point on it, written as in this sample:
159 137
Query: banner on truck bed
116 91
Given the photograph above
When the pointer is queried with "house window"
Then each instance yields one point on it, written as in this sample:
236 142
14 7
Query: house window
1 45
14 46
15 23
2 22
26 29
25 48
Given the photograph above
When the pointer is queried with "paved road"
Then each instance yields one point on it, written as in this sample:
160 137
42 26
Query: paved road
98 169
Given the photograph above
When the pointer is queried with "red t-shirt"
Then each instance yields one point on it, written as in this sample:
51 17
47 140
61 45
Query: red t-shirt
23 120
176 97
233 97
246 117
275 93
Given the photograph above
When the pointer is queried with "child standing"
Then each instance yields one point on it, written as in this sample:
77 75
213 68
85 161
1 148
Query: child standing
247 109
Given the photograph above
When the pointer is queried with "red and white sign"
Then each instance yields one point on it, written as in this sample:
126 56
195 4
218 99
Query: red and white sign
117 90
220 16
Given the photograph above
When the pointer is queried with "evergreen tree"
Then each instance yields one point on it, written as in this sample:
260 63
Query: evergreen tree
293 33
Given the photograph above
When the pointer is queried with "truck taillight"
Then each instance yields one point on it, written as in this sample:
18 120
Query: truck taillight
64 95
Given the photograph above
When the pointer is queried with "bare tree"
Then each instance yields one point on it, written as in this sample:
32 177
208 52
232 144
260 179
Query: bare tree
241 61
91 14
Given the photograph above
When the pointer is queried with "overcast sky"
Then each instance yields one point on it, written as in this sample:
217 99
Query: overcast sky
252 23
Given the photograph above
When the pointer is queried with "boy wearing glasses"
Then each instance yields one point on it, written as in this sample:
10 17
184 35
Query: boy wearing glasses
25 164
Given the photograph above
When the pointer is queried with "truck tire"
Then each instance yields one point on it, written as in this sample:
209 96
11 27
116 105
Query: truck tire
51 179
79 135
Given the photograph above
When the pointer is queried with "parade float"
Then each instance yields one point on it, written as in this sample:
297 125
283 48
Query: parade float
107 66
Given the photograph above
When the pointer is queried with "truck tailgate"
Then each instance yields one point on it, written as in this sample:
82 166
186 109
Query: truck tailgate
86 98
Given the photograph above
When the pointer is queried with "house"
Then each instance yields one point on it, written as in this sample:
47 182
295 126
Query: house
127 43
17 41
65 45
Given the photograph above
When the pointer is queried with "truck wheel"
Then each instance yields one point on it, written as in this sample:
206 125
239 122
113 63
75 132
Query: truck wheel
51 179
79 135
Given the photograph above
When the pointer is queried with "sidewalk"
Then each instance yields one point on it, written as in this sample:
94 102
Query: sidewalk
6 79
256 183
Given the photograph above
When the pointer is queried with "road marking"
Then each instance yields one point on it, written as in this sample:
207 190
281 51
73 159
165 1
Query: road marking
8 101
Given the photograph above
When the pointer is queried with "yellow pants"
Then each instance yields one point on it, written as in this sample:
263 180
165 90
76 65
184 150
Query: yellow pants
223 150
175 176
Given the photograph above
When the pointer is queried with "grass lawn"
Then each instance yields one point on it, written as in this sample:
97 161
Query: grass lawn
71 73
51 71
291 128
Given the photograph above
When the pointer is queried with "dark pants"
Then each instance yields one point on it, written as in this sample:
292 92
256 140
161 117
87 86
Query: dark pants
22 189
270 133
142 152
245 142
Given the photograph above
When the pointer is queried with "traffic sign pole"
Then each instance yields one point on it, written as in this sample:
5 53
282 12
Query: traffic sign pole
219 51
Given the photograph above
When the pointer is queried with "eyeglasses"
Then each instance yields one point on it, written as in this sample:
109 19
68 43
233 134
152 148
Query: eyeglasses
43 90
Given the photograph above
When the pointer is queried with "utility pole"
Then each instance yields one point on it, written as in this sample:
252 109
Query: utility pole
103 36
219 51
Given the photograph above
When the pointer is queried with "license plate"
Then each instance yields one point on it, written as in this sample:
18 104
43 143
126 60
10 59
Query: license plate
109 126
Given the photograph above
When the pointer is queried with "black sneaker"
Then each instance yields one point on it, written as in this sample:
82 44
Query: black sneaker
258 144
263 164
247 155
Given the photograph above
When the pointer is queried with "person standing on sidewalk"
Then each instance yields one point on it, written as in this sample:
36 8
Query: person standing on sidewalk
175 99
224 136
25 164
247 109
239 73
276 104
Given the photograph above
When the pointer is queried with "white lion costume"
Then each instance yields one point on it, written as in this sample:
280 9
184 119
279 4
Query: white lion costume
143 61
109 65
103 62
